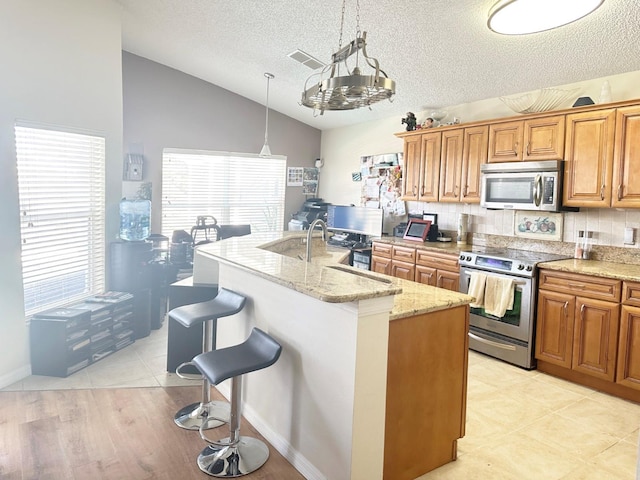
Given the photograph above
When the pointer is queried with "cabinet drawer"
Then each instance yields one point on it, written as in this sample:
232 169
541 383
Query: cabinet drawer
443 261
585 285
631 293
404 254
381 249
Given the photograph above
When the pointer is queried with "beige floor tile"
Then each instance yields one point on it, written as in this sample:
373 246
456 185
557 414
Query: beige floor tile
78 380
567 435
619 459
594 472
618 422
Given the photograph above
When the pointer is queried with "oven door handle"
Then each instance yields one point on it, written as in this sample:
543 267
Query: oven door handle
493 344
515 282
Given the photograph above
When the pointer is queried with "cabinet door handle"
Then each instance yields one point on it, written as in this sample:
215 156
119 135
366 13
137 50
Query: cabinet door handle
414 190
620 192
422 191
602 192
566 308
577 285
582 312
466 190
528 150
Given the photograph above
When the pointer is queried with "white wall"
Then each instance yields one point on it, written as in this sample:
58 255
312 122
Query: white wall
165 108
342 149
61 65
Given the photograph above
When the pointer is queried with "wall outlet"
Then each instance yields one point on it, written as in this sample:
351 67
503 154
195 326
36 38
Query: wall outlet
629 236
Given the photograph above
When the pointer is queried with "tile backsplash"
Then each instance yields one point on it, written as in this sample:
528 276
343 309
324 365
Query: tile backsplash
607 225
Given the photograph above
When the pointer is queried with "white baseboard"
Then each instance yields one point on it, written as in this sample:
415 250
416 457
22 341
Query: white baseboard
299 461
15 376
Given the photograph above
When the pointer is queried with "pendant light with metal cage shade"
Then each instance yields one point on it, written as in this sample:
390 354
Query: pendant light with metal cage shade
353 90
266 151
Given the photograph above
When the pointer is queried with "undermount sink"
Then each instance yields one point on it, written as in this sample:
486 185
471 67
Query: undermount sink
360 273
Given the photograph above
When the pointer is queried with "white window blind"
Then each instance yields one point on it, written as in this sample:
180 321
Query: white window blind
233 188
61 182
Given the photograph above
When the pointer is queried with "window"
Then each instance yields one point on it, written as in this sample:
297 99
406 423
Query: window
61 178
233 188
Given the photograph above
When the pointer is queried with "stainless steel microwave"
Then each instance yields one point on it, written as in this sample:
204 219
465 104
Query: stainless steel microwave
522 185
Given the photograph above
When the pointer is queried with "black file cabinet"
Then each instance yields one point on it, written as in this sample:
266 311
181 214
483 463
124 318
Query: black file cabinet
65 340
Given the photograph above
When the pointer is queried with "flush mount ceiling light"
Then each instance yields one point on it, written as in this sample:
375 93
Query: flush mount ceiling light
520 17
266 151
330 90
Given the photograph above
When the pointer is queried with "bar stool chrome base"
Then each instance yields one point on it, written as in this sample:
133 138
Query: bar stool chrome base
228 461
203 416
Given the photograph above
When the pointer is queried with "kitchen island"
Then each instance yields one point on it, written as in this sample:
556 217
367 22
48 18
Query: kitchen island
372 379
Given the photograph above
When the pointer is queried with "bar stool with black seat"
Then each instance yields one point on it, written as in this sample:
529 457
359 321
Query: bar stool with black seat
235 455
224 304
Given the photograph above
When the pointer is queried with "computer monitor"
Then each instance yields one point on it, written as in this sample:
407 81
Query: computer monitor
358 220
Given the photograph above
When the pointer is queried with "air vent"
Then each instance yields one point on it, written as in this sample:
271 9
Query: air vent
306 59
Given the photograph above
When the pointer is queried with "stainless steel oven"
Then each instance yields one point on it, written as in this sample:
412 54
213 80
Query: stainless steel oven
510 337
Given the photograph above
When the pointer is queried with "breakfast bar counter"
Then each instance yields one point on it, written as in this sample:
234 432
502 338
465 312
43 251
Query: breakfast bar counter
372 379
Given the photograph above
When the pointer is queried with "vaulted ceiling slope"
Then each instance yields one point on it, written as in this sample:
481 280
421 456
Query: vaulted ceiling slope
439 52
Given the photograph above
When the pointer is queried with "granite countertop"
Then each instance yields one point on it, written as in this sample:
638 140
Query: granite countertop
597 268
279 257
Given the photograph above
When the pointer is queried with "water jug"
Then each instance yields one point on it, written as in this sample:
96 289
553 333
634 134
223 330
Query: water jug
135 220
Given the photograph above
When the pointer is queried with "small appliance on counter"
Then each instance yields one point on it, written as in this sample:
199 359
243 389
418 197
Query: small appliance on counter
311 209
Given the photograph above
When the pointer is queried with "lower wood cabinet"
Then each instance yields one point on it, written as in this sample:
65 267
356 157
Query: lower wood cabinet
588 332
438 269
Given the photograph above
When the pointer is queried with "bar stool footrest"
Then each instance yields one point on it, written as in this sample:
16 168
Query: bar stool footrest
188 376
199 416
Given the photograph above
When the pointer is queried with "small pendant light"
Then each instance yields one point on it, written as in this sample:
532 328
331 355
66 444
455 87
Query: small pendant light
266 151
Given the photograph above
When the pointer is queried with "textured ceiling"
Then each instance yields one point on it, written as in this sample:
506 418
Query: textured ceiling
439 52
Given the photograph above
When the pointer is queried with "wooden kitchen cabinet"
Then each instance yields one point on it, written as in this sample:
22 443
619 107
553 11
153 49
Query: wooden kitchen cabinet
628 365
438 269
626 159
463 151
505 142
403 262
554 327
529 140
421 175
381 264
451 165
595 337
577 323
589 158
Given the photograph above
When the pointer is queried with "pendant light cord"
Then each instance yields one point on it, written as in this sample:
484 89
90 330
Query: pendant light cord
266 122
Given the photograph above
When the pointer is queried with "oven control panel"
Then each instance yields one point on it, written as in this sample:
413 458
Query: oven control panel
520 267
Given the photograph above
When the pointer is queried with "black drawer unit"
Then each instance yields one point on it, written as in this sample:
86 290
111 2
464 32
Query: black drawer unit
65 340
60 341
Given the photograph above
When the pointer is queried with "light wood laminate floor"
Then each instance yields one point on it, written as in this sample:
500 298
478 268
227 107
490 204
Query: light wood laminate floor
520 425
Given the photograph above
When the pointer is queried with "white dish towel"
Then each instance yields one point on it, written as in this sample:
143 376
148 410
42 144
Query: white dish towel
498 295
476 289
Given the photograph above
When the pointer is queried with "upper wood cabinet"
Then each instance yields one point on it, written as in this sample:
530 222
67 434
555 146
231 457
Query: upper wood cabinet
626 159
529 140
463 151
589 158
474 154
422 167
451 165
505 142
